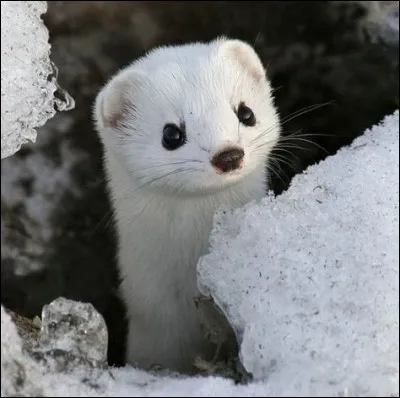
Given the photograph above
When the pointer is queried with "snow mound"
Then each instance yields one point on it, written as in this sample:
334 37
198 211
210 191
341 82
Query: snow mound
310 279
27 88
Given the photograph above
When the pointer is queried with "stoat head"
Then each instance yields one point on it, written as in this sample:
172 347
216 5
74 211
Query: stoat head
190 119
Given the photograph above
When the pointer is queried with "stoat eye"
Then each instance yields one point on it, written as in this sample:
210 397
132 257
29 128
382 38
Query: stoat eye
246 115
173 137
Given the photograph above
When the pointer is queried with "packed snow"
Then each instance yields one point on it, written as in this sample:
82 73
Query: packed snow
15 364
309 280
27 88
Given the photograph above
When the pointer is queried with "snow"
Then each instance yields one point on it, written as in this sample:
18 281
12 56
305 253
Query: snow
308 279
27 90
15 364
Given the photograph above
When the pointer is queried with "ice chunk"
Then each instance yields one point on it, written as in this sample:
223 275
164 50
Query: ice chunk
27 84
310 280
73 341
72 334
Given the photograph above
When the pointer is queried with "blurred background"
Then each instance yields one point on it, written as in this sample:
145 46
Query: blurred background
57 233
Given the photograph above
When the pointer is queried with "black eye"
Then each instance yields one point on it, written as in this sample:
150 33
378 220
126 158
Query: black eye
246 115
173 137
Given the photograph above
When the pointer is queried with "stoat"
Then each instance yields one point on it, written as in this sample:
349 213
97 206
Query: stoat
185 130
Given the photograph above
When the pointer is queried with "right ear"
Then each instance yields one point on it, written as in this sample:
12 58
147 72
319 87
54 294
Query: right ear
115 102
243 53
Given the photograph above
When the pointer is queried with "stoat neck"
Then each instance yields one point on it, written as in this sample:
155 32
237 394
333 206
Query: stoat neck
161 239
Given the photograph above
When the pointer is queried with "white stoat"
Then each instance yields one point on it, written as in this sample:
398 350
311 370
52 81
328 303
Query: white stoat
185 130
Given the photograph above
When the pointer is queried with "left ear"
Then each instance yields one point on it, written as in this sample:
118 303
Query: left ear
245 55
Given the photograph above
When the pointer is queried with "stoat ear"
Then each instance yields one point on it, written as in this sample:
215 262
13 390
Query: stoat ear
116 100
245 55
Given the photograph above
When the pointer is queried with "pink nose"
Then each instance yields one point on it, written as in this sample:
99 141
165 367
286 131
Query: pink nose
228 160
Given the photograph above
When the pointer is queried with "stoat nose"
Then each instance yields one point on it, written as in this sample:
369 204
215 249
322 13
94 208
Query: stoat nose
228 160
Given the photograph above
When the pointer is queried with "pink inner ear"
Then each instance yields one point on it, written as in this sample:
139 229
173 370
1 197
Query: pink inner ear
248 59
112 119
251 64
116 107
116 115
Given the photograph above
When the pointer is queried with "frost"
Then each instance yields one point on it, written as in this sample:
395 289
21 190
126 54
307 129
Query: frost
27 84
310 280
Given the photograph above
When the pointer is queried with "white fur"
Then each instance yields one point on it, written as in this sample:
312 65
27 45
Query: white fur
164 221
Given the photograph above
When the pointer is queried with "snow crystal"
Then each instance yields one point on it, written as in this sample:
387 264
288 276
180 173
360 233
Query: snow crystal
27 91
310 279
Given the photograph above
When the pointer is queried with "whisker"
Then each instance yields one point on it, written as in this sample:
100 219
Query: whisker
284 161
153 166
286 137
275 89
281 171
170 173
174 172
304 110
291 139
270 168
283 149
109 214
312 142
162 160
290 117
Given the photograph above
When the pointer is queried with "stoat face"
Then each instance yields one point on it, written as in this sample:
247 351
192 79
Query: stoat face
190 119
